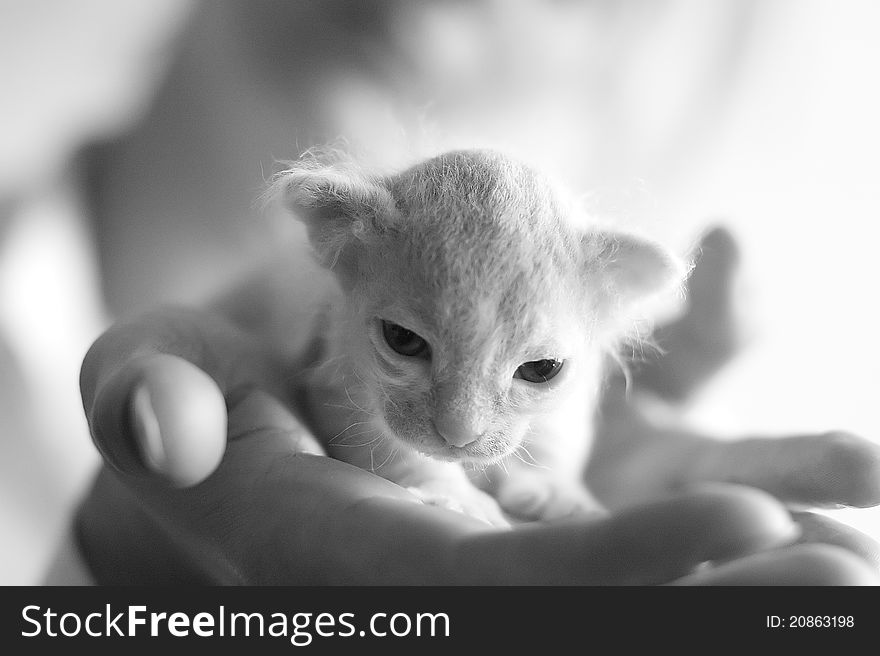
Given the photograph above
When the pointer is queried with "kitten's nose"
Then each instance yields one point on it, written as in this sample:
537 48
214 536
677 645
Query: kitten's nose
457 432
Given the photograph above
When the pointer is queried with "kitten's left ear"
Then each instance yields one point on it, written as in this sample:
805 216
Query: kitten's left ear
634 269
340 207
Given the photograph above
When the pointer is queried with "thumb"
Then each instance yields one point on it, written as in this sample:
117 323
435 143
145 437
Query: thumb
178 419
155 392
160 414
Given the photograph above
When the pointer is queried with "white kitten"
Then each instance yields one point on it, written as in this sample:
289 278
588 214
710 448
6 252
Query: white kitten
467 330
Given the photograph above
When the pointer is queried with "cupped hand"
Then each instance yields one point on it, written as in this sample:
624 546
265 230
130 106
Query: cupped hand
641 454
212 479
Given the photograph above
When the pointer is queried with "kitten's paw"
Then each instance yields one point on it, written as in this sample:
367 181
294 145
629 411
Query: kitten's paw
461 498
542 498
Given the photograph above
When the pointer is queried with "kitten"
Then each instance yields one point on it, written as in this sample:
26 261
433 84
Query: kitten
468 326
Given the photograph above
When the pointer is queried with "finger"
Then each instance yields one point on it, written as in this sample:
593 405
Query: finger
161 414
696 345
820 529
231 528
270 514
710 284
178 419
154 389
826 470
813 564
645 545
330 522
258 413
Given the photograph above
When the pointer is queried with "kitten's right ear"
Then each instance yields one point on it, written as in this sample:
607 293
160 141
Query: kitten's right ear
339 206
636 272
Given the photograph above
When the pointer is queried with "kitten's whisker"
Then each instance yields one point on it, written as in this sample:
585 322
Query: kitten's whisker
351 400
335 360
528 463
358 376
347 440
347 428
388 400
361 444
375 442
480 468
378 384
381 439
388 458
534 462
344 407
351 408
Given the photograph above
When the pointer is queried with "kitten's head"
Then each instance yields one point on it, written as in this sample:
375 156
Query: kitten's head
475 302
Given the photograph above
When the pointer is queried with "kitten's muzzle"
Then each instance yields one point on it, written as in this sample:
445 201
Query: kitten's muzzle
457 432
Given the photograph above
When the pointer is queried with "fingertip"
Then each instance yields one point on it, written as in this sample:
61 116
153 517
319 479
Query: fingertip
178 417
816 528
745 518
802 565
852 469
717 259
719 236
824 564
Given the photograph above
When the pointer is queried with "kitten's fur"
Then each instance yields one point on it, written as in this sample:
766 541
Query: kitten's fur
479 255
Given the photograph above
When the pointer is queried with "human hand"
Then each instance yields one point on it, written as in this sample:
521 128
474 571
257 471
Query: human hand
639 457
276 511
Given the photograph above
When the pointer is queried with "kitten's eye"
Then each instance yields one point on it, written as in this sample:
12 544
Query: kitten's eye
539 371
403 341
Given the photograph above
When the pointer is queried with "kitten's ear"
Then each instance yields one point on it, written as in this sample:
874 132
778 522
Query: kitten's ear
339 205
634 270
